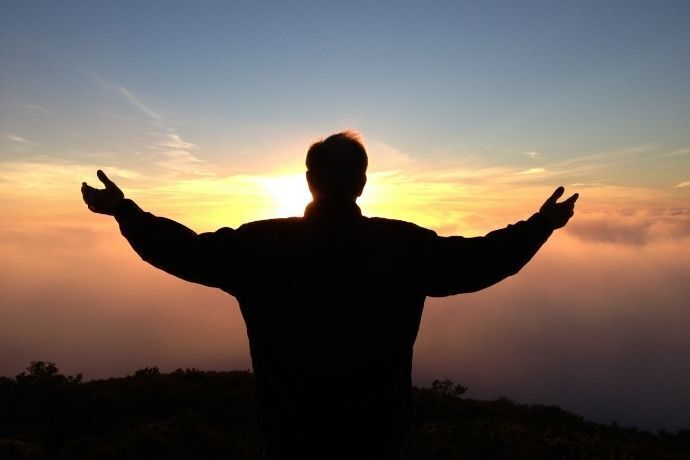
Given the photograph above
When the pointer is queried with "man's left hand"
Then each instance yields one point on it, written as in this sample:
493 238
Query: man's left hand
558 214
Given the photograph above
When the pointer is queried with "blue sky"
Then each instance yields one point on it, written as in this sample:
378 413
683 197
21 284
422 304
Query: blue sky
485 79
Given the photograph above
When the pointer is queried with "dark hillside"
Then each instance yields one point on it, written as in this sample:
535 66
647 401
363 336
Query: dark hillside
190 414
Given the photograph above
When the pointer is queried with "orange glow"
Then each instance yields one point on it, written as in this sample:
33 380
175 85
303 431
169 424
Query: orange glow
452 199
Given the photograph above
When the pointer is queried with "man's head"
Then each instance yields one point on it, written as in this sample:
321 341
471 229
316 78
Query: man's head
337 166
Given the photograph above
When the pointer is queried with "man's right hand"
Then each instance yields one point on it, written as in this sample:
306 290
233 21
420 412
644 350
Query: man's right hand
102 201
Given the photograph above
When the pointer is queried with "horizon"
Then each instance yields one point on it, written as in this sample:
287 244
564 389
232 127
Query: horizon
471 114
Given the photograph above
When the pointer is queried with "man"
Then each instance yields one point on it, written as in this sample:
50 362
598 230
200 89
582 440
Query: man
332 300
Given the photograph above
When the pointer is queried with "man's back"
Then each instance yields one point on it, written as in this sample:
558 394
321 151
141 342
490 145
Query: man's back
332 305
333 300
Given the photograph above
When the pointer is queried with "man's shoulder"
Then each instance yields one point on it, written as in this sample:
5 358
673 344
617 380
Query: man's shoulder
399 226
396 223
270 224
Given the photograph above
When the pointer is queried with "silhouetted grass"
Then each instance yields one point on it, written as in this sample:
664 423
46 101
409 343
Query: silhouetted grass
190 414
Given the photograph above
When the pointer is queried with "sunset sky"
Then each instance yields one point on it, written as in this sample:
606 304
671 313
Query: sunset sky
472 113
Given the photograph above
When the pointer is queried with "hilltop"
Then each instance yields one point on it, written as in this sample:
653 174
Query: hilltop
206 415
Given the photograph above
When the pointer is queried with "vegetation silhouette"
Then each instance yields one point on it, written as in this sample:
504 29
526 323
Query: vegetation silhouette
332 297
190 414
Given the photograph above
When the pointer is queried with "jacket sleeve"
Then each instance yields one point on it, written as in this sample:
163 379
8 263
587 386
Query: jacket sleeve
205 258
458 265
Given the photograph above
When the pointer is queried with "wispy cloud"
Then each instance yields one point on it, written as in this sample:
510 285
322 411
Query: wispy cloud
589 184
128 95
183 162
174 141
173 153
18 139
533 171
675 153
35 108
532 154
683 184
624 156
608 157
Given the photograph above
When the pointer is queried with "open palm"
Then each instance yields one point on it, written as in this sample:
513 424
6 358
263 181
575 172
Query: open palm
102 201
558 214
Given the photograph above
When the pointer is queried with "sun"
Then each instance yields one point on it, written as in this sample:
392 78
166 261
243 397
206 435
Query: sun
289 194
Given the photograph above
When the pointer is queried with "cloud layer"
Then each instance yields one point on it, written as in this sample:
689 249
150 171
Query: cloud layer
601 328
597 323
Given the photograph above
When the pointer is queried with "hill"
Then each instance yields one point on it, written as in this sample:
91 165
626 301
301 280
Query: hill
191 414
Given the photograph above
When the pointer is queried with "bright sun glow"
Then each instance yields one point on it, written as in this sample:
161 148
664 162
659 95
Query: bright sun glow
289 193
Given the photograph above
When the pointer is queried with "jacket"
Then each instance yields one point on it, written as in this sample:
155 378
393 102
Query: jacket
332 303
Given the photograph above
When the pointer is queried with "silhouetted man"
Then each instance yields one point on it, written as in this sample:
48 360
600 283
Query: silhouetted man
332 300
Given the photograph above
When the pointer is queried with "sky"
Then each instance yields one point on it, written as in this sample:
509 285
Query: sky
472 113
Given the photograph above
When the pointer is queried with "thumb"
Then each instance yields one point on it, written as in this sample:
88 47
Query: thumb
572 199
103 178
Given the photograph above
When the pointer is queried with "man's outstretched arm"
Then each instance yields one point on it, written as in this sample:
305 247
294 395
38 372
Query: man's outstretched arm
164 243
469 264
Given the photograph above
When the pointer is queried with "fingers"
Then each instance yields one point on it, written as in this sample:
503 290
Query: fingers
554 197
557 194
103 178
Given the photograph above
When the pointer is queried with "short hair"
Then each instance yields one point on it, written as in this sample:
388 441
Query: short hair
338 164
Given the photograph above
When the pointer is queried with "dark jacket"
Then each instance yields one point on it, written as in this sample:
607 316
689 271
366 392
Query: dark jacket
332 302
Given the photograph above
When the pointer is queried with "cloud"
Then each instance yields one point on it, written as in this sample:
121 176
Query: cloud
183 162
65 300
174 141
18 139
128 95
533 171
589 184
532 154
675 153
638 227
457 196
601 329
385 157
612 156
614 161
683 184
35 108
36 184
173 157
